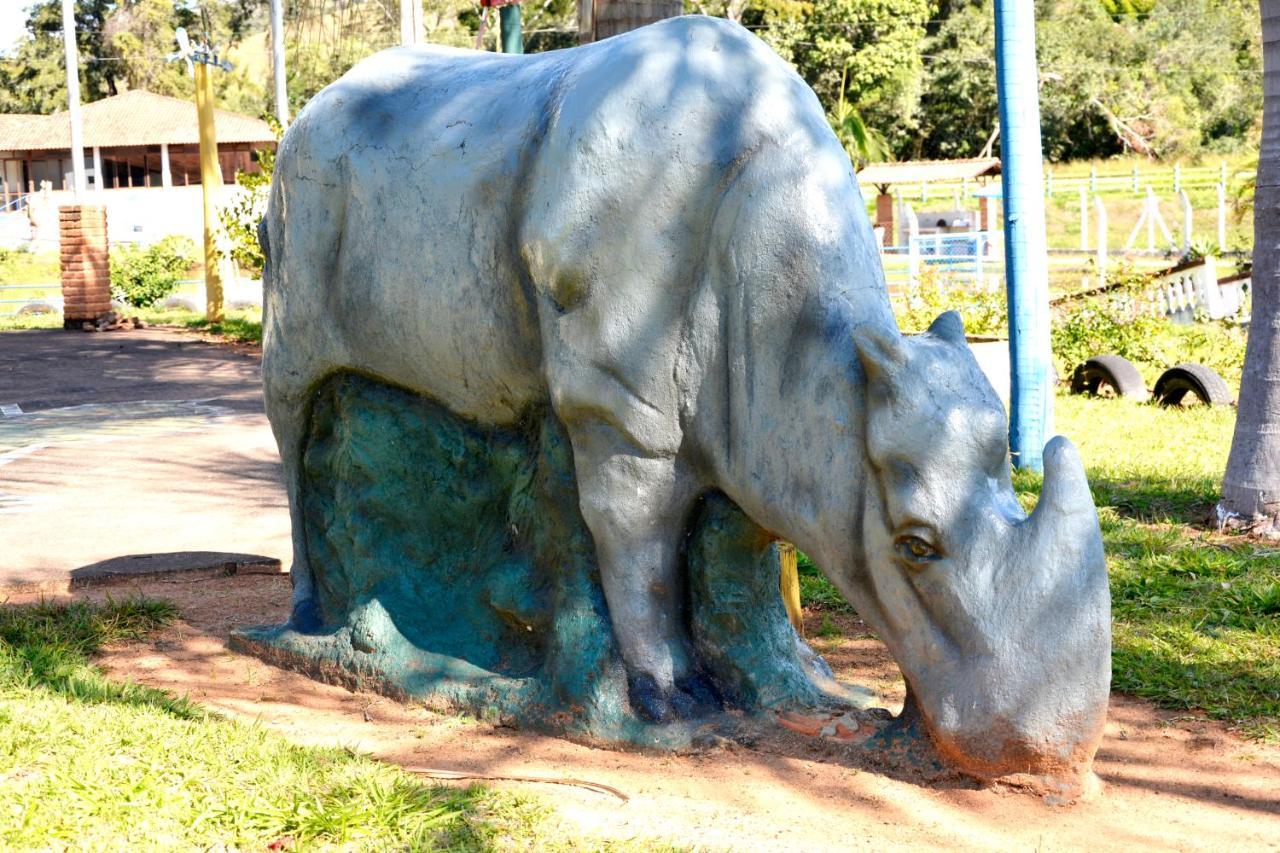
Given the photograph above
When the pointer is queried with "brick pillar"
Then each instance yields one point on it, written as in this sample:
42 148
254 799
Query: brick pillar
884 216
985 210
86 270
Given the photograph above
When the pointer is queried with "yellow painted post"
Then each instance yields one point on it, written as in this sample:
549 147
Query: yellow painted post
790 585
210 183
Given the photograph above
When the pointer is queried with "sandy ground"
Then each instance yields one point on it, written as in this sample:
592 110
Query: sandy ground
1171 781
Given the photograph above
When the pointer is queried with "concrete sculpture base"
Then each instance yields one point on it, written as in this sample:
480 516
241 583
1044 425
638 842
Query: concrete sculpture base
461 573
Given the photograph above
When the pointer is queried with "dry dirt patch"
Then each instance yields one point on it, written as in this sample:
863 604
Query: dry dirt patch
1173 781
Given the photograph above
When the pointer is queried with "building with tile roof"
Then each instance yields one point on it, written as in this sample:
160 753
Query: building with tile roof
137 139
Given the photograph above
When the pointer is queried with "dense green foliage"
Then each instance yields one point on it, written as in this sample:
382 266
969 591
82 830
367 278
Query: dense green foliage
88 763
143 276
1164 79
1183 79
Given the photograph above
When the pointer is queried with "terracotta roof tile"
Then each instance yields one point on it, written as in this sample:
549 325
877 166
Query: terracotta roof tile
136 117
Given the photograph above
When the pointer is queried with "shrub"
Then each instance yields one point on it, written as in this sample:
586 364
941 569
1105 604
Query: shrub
240 218
983 311
142 277
1111 323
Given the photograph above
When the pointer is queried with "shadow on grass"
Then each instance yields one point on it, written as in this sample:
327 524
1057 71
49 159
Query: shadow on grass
1155 498
48 646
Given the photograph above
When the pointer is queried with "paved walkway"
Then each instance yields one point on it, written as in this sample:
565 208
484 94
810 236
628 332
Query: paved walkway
123 452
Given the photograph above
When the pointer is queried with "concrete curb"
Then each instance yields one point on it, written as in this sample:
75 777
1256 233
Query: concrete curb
187 565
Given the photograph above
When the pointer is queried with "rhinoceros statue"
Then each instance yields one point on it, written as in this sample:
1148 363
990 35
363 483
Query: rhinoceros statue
659 238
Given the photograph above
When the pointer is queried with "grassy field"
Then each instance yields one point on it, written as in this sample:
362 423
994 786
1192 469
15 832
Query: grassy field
86 763
1196 614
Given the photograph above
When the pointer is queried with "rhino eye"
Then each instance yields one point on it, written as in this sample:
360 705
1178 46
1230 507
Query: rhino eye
913 549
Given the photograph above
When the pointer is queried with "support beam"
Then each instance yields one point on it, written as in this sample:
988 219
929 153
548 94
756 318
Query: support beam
1026 252
166 176
97 169
277 62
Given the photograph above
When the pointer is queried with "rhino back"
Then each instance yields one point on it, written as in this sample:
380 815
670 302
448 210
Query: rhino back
398 189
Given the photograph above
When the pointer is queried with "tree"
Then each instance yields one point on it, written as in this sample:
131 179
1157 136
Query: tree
34 78
867 52
1251 486
122 45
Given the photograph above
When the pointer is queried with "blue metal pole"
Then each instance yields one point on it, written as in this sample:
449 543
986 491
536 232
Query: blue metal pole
1026 258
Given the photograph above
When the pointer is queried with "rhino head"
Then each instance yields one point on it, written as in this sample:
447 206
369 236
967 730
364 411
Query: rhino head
999 621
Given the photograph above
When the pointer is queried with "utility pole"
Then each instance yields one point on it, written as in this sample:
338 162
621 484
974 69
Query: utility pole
73 96
277 62
199 59
1026 254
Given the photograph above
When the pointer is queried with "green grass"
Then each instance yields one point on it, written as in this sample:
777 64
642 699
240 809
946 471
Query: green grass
242 326
1196 614
19 267
87 763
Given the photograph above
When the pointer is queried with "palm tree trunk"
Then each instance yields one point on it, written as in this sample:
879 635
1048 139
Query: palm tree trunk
1251 487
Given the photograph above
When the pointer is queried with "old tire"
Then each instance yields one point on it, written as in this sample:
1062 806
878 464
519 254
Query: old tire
1109 372
1208 387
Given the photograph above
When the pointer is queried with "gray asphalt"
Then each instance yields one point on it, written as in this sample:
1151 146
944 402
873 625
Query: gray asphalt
144 450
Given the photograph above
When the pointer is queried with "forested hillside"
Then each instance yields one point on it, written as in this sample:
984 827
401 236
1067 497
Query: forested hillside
1163 78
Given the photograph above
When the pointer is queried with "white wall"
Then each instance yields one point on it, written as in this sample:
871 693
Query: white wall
139 215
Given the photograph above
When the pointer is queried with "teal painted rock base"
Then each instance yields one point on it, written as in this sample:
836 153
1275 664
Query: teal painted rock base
453 567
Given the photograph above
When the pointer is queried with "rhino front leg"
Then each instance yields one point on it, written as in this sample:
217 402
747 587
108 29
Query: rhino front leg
636 507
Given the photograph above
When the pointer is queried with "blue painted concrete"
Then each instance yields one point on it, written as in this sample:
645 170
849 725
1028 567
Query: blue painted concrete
453 566
1026 257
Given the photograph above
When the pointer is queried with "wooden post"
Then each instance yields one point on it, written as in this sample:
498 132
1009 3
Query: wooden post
789 585
913 246
1084 220
210 185
1222 217
1151 217
1100 241
1186 220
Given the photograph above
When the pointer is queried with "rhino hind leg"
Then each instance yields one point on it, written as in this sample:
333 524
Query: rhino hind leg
636 507
287 383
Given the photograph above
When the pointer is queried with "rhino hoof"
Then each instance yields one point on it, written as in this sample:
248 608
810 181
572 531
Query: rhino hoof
306 617
699 693
647 699
692 697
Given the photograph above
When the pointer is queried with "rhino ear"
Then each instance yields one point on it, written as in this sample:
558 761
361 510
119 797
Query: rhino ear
949 327
881 351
